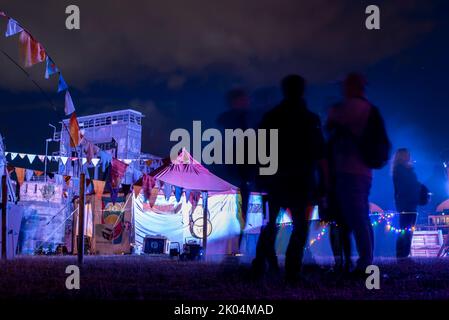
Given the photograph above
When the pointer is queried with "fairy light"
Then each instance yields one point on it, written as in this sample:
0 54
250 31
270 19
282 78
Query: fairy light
382 217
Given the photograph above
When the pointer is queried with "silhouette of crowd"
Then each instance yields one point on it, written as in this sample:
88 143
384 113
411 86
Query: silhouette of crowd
328 166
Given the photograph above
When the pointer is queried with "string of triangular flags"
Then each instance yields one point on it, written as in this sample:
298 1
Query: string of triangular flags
147 184
32 52
94 161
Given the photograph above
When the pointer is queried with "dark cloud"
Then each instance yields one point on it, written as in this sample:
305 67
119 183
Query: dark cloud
258 40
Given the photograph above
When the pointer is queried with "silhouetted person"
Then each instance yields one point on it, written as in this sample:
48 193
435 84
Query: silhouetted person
300 147
339 234
348 121
239 116
406 195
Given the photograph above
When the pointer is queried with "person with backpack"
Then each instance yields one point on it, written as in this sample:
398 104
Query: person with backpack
359 144
408 194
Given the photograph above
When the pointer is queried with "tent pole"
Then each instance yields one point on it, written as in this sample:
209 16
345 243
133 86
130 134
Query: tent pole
4 213
205 224
81 219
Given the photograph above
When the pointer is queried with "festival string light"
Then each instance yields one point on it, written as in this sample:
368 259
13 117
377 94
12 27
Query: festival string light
387 218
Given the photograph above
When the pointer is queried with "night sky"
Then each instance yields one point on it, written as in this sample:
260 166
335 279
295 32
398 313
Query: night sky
175 60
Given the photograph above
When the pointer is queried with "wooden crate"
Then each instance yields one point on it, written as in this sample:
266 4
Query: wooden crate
426 243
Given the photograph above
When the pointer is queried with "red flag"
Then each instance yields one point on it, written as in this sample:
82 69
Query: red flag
118 169
74 131
20 172
31 51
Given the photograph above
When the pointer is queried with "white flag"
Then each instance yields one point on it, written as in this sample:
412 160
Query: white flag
13 155
84 161
31 157
95 161
64 160
69 108
41 158
22 155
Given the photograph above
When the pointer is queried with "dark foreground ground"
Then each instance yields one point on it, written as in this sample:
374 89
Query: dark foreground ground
148 278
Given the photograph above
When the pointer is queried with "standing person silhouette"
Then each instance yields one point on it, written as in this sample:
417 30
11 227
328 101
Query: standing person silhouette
239 116
360 143
293 186
407 197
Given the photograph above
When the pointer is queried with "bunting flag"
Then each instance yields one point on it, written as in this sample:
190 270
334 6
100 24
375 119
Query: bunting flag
38 173
148 162
2 14
167 190
98 188
126 189
194 198
41 158
153 196
62 85
148 184
74 131
12 28
22 155
64 160
13 155
178 193
31 157
84 161
188 195
95 161
50 68
69 108
118 170
20 173
136 190
29 174
31 51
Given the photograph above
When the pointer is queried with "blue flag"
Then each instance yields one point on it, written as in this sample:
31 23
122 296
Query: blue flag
51 68
12 28
62 85
69 108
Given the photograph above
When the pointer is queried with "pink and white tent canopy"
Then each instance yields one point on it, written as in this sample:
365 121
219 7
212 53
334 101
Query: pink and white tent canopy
187 173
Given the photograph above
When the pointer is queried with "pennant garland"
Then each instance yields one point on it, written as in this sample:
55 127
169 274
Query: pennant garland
50 68
69 108
136 190
74 131
62 85
20 173
99 188
31 157
12 28
31 51
118 169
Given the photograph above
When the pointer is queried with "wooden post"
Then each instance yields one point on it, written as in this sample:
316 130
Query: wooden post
81 219
4 213
205 224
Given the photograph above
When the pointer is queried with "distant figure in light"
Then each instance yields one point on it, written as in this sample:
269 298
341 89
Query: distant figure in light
238 116
407 197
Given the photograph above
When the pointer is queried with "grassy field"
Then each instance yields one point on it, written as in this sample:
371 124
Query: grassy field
148 278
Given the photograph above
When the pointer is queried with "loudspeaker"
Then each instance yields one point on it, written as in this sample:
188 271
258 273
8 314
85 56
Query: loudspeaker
156 245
